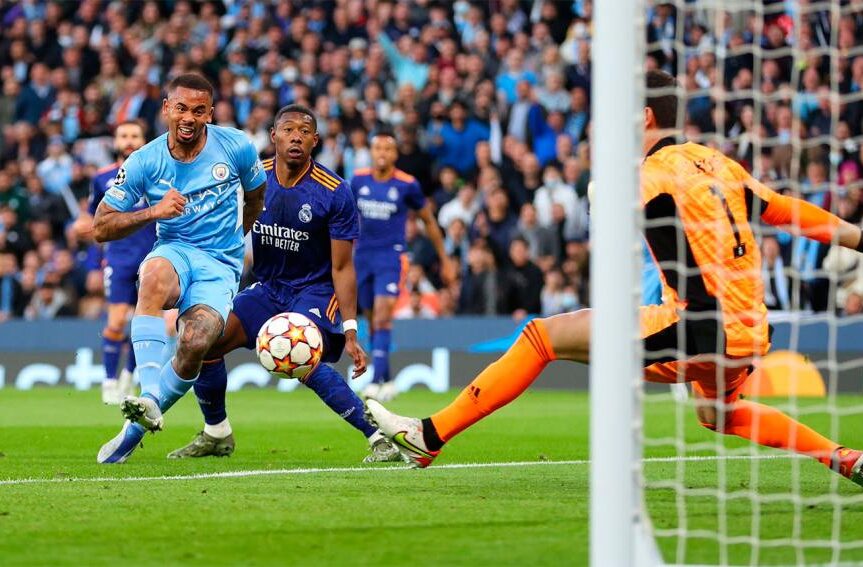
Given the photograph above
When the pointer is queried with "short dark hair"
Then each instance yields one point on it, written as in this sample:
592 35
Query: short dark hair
298 109
133 122
192 81
664 106
519 238
385 131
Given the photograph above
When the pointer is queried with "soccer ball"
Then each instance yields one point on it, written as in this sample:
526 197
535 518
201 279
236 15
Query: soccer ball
289 345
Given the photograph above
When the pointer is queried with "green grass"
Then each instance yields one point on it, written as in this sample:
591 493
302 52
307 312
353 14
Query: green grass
530 515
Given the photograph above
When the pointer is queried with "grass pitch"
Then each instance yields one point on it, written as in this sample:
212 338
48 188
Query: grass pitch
296 493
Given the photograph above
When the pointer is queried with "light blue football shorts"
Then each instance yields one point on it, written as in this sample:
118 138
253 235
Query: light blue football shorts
203 279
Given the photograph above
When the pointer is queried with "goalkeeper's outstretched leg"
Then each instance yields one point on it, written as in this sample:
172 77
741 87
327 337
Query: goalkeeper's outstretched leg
567 337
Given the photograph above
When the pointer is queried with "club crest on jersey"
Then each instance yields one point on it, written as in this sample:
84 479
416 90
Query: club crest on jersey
393 194
121 176
305 213
220 171
364 190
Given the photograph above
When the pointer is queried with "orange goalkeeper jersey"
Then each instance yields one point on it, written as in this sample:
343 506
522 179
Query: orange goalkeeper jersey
698 204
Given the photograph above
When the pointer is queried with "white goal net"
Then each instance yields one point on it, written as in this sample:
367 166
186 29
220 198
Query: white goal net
778 87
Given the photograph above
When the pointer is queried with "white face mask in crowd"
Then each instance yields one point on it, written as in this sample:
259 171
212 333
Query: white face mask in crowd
242 88
289 74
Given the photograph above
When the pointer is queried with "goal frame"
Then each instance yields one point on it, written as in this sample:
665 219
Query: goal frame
619 526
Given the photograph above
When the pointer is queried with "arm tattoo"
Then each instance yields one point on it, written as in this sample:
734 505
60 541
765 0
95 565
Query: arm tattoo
110 224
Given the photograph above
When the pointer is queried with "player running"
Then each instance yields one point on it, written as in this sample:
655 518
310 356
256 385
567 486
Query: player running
697 203
204 185
122 258
302 246
384 196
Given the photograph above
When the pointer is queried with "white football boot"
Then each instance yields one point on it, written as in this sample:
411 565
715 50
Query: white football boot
126 384
387 392
405 432
111 394
143 410
370 392
382 450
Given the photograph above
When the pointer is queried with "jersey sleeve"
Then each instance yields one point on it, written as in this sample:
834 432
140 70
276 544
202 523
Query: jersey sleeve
782 210
97 192
252 173
344 218
129 185
414 196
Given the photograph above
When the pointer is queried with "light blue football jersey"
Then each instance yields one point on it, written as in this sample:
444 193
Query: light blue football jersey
213 185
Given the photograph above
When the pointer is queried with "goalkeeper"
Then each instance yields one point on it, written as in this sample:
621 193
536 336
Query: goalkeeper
697 203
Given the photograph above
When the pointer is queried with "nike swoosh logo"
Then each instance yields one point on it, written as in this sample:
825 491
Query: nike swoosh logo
401 440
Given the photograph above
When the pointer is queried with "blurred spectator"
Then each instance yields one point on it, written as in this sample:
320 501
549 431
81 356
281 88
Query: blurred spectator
407 60
518 111
552 96
418 247
12 300
456 242
49 301
415 309
576 124
357 155
464 207
45 206
455 144
490 101
809 254
447 186
55 170
542 241
12 195
556 297
496 223
514 71
37 96
414 160
777 284
481 286
523 282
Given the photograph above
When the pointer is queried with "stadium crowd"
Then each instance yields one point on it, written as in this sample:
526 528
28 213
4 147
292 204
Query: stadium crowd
491 104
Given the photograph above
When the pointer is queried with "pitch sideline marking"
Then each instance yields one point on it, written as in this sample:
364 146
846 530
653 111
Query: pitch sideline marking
301 471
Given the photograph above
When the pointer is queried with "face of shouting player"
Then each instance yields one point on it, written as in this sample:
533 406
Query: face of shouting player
127 139
187 112
294 136
384 152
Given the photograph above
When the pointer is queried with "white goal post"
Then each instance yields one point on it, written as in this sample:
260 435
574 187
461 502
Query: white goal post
777 86
616 500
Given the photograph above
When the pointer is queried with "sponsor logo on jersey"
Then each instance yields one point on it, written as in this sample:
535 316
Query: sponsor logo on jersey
121 176
305 213
378 210
220 171
281 237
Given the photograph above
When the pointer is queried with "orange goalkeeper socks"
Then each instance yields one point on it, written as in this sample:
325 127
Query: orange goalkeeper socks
770 427
497 385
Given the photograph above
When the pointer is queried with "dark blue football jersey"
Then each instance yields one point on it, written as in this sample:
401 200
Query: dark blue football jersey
291 238
383 207
132 249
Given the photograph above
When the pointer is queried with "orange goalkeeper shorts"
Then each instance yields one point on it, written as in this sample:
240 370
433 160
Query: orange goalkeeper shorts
710 379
